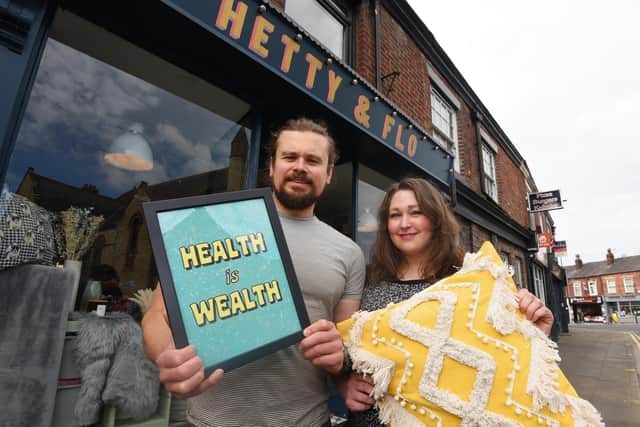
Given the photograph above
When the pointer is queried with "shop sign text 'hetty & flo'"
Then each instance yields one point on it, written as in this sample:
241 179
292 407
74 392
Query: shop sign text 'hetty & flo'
266 36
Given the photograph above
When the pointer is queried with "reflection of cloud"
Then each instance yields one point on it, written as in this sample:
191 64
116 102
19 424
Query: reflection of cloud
87 96
79 106
123 180
197 157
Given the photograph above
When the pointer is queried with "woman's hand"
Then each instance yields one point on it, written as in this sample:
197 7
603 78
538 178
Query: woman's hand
535 310
355 390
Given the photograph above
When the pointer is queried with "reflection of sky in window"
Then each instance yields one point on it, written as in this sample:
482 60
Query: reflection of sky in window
79 105
318 22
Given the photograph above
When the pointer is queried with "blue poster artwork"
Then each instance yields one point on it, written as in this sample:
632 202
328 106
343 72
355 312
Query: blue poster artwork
230 282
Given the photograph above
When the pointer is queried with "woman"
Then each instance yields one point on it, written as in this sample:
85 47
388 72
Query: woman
418 243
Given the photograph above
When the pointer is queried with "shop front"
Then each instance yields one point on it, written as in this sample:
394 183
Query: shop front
626 307
195 88
588 309
109 105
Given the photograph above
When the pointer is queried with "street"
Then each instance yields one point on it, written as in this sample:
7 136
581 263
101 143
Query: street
602 362
623 327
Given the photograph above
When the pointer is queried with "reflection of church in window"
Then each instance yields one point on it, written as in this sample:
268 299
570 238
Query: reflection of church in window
123 240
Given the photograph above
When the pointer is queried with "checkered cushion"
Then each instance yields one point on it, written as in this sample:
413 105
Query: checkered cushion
26 232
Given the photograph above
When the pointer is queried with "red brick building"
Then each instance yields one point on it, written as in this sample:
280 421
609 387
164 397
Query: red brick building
598 289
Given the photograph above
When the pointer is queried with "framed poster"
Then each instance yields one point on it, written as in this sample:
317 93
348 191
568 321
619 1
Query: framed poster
228 283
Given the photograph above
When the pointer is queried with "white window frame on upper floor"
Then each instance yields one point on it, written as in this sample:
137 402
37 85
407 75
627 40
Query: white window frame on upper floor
331 10
489 152
444 115
611 284
577 289
629 286
593 288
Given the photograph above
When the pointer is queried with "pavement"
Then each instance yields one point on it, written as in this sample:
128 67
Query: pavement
603 365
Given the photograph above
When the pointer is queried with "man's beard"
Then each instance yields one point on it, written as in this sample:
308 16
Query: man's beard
292 200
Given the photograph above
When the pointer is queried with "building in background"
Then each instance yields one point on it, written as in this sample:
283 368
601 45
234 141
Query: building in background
596 290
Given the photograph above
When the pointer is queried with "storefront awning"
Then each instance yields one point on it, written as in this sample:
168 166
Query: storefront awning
268 37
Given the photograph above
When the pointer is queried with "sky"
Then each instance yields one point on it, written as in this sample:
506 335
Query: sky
562 79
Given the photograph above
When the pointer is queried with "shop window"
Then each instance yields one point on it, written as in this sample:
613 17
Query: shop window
489 172
371 191
445 124
517 271
327 21
577 289
611 286
335 207
593 288
109 126
629 287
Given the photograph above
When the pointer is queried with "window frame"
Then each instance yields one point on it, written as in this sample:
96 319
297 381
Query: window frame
450 141
609 283
450 102
343 13
626 280
593 291
577 289
517 271
538 283
487 153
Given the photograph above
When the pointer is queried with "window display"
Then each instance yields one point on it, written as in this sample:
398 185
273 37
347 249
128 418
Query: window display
108 126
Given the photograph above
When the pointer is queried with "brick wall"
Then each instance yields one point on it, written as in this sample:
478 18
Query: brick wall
365 42
412 94
585 286
512 190
602 284
468 149
466 235
478 236
398 52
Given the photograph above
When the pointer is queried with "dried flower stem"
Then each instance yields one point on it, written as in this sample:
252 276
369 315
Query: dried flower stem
80 229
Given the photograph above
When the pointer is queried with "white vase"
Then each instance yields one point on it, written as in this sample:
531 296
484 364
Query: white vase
74 267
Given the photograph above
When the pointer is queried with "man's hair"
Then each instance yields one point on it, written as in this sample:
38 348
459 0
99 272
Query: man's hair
303 124
443 252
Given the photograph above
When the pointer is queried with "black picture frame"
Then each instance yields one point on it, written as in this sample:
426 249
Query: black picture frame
172 286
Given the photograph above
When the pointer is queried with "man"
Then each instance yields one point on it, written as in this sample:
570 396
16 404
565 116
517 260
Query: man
288 387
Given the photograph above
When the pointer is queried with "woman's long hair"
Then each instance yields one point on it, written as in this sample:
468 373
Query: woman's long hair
444 251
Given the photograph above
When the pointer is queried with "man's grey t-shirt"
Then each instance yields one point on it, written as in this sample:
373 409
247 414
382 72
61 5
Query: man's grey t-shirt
283 389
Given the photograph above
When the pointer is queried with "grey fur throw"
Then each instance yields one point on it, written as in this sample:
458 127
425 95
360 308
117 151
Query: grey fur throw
114 369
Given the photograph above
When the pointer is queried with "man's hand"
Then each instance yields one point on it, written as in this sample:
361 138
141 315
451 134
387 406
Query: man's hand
322 346
182 372
356 392
535 310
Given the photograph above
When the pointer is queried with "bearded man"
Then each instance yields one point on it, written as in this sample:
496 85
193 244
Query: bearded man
286 388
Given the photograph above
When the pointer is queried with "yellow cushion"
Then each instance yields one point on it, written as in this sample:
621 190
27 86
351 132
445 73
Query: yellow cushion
460 353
